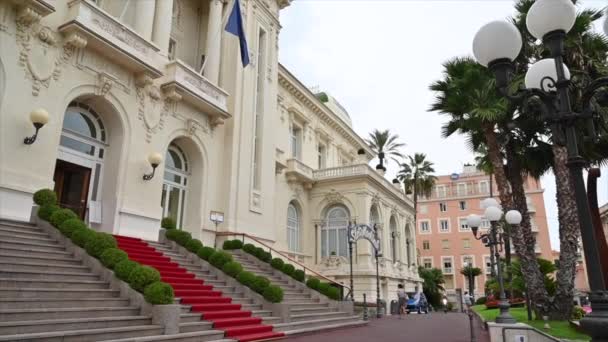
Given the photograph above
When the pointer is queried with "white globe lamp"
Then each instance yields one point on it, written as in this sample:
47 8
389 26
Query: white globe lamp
550 15
496 40
536 77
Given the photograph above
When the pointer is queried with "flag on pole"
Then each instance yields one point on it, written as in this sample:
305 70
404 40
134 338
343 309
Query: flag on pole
235 26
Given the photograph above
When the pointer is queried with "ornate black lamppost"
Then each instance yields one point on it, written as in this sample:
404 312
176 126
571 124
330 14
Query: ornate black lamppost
496 46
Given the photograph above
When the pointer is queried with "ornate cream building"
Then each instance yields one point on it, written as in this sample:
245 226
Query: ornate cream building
121 81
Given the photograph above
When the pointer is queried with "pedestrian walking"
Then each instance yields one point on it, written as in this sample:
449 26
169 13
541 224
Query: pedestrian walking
402 296
467 301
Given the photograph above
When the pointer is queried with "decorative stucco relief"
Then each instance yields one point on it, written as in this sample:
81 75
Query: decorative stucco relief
5 13
120 33
333 197
100 65
152 108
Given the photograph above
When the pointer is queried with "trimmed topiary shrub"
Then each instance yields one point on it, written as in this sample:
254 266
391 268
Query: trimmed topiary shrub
258 253
277 264
168 223
260 284
80 237
237 244
159 293
266 257
332 293
45 211
183 238
298 275
205 252
323 287
143 276
99 243
227 245
273 294
67 227
45 197
249 248
124 268
313 283
246 278
219 259
194 245
61 215
172 234
288 269
232 268
481 301
112 256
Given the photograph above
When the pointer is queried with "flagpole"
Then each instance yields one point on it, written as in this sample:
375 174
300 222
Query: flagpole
219 31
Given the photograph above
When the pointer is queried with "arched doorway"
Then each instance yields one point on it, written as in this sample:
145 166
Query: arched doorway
333 235
393 239
293 228
175 184
79 169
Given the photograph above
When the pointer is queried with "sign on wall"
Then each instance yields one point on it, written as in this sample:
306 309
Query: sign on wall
363 231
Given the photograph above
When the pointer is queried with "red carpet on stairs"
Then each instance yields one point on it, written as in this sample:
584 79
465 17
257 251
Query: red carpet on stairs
237 323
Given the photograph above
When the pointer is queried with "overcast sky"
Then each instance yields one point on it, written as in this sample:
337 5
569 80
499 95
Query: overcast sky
378 57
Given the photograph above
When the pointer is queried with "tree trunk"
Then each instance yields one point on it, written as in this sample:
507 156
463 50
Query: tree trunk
524 240
569 234
497 163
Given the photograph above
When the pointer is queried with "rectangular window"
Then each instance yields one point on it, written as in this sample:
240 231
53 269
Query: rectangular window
296 138
172 49
488 264
426 245
259 110
462 225
425 227
466 243
485 224
484 187
461 189
321 156
467 261
427 262
447 265
445 244
423 208
463 205
441 191
444 226
443 207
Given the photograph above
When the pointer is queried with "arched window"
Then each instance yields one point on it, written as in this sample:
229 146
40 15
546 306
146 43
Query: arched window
374 220
393 229
293 228
83 131
408 244
175 183
333 235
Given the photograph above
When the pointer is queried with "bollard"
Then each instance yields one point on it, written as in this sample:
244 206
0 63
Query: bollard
473 338
365 314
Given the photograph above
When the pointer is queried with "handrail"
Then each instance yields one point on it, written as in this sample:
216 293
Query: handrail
316 274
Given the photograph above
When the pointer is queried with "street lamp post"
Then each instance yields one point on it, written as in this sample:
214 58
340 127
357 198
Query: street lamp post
496 46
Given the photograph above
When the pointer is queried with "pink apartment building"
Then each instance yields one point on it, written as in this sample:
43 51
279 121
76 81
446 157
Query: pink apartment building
445 241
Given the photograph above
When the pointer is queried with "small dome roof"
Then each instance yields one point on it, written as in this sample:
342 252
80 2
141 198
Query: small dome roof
335 107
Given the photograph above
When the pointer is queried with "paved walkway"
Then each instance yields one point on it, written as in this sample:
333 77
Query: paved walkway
434 327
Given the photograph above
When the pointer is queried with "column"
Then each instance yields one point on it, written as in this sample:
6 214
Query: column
214 40
144 16
163 17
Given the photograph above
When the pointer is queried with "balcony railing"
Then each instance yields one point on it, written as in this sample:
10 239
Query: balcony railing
298 171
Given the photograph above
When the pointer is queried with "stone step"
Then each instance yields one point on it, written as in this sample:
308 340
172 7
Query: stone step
19 225
271 320
297 296
61 313
47 246
195 326
10 236
313 316
20 231
88 334
251 307
262 313
53 284
190 317
7 256
198 336
42 303
311 310
304 305
41 267
24 327
185 309
34 251
313 326
47 293
48 275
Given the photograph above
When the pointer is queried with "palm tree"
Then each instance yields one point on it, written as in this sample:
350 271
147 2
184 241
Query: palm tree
432 285
471 272
417 177
385 145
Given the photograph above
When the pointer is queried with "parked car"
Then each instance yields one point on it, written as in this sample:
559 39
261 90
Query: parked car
417 303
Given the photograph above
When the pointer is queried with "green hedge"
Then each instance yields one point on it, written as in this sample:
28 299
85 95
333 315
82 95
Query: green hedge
181 237
273 294
249 248
81 237
323 287
232 268
246 278
143 276
159 293
112 256
332 293
99 243
313 283
45 211
205 252
168 223
123 269
219 259
260 284
67 227
277 264
61 215
45 197
288 269
232 244
194 245
299 275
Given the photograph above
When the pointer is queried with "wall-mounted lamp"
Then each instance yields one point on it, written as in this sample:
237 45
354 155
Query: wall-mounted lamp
39 118
154 159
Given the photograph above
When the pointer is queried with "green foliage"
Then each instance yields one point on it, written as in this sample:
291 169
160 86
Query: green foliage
259 253
45 197
323 288
288 269
219 259
577 313
299 275
333 293
172 234
277 264
96 245
143 276
168 223
470 271
481 301
159 293
61 215
260 284
67 227
205 252
246 278
432 285
194 245
313 283
237 244
273 294
547 268
45 211
232 268
183 238
80 237
322 96
417 177
266 257
387 144
227 245
249 248
123 269
112 256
